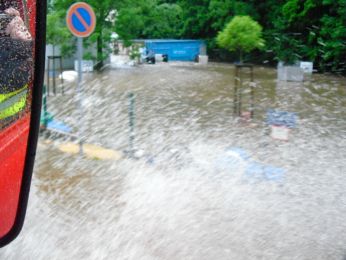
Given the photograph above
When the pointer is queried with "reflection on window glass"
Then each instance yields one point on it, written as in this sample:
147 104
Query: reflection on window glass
16 50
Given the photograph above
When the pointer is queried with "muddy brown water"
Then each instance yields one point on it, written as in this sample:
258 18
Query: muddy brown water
192 201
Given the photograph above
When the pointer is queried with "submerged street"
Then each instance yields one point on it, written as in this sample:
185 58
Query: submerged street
187 196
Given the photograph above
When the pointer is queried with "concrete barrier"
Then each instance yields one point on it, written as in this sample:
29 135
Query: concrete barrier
87 65
290 73
307 67
203 59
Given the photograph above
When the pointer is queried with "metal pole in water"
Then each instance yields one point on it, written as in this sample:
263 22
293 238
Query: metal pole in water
61 73
54 77
45 112
240 89
48 76
131 98
79 92
235 99
252 94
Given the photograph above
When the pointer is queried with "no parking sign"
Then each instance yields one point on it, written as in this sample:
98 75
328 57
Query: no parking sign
81 19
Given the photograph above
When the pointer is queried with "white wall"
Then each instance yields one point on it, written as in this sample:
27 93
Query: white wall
67 62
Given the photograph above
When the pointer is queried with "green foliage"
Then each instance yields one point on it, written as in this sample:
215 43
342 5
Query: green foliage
313 30
130 24
241 34
101 36
322 24
134 53
58 34
221 12
288 48
149 19
165 21
195 18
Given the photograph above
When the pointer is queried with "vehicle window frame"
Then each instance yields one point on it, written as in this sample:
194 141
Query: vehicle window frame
36 101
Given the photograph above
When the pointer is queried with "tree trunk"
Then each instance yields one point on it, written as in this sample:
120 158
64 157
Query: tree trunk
240 56
53 67
100 41
100 50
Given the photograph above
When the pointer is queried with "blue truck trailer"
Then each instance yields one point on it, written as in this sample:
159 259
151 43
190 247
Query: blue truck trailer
177 50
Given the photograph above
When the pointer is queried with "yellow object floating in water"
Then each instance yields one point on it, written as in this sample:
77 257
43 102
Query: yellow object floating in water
91 151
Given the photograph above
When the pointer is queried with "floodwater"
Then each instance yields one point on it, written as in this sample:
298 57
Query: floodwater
190 195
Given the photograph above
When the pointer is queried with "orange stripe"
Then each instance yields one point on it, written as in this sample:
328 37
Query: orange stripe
82 20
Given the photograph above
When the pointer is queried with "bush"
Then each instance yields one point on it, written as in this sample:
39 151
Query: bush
241 34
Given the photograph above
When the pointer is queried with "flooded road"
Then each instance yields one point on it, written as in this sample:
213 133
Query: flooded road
191 195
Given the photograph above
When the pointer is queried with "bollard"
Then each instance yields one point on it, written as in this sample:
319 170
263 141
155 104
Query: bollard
131 98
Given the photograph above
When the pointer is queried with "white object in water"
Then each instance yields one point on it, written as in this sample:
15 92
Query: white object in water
139 153
87 65
131 63
290 73
280 132
307 66
231 162
69 75
158 57
203 59
121 61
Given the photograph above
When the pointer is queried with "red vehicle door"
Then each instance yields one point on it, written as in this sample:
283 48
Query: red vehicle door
20 104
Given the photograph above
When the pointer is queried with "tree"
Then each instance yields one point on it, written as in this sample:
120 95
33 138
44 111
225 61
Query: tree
102 35
148 19
131 21
165 21
57 33
195 19
221 12
322 25
293 29
241 34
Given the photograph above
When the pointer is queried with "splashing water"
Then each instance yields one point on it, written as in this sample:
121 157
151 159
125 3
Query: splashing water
194 200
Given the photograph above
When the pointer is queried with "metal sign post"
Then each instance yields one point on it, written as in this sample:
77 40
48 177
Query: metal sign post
81 21
79 91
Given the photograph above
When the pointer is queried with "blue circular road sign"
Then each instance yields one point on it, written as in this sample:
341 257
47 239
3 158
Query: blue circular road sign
81 19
